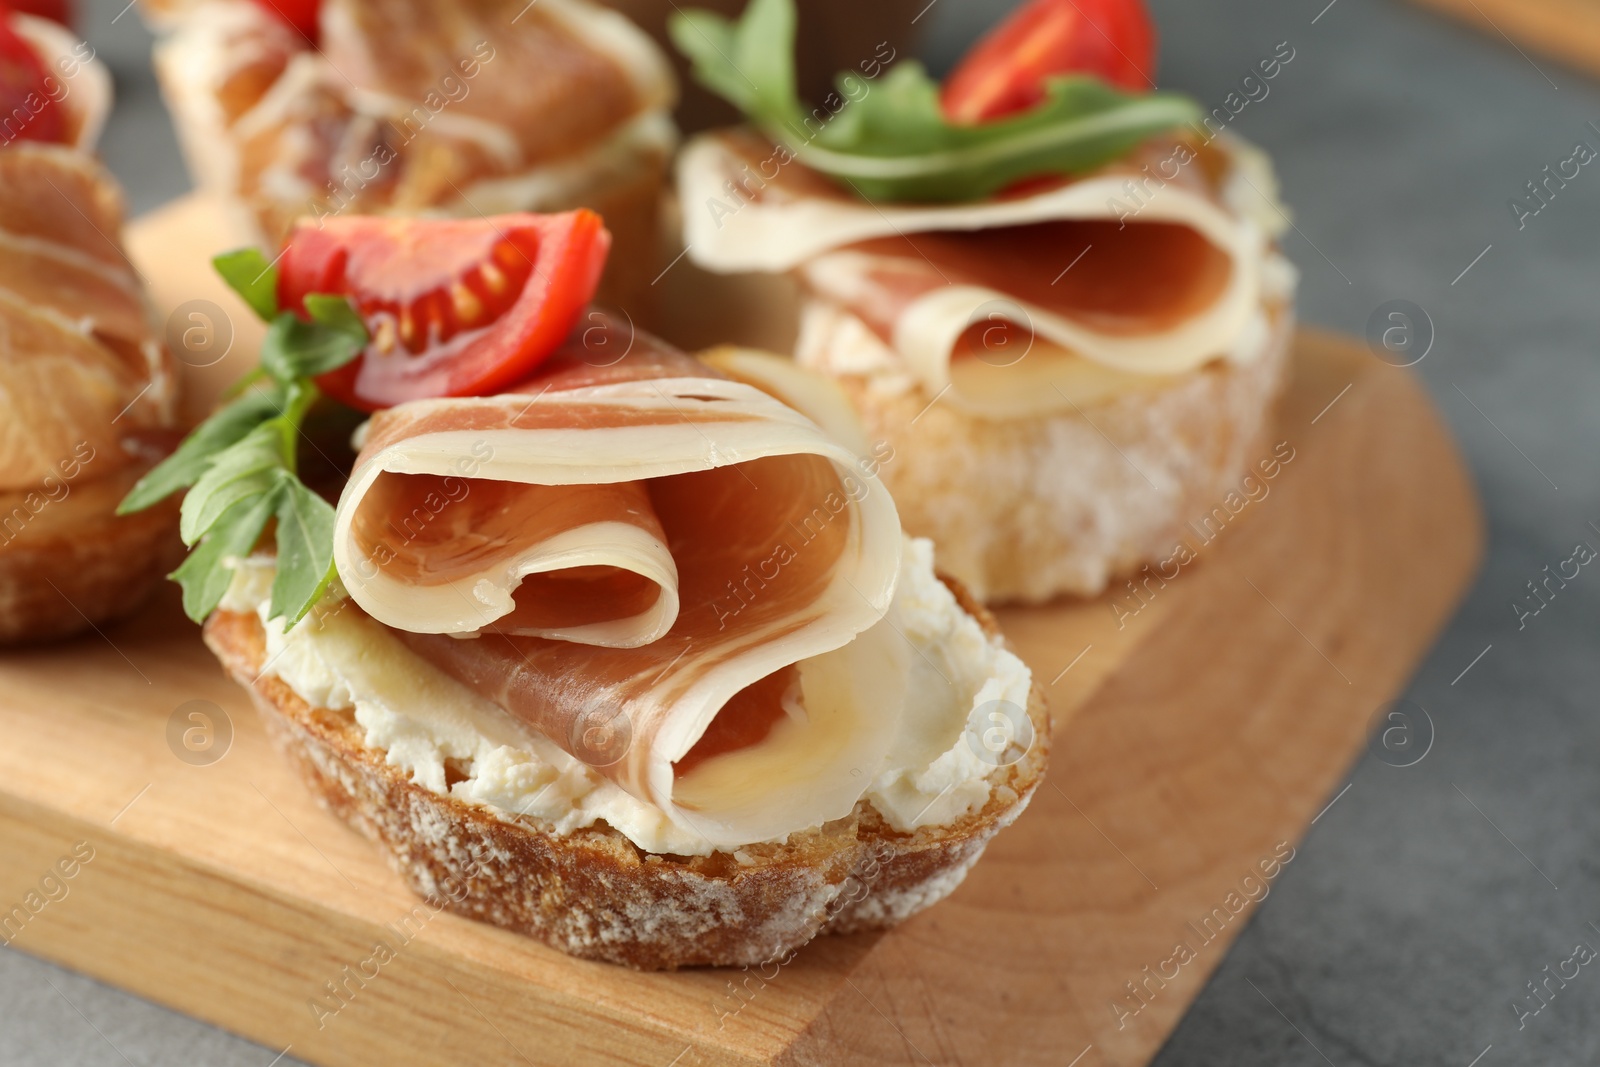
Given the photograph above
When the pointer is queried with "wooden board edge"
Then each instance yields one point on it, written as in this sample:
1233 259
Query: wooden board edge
1565 30
146 920
864 1023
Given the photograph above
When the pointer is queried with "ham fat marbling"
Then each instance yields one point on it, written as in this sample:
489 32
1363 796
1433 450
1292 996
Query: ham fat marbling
1108 282
81 367
673 575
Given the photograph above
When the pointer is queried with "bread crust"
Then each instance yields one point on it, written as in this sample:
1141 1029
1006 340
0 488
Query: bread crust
1026 509
69 562
592 892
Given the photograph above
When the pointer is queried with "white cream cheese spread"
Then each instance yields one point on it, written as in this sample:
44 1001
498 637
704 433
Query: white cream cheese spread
338 658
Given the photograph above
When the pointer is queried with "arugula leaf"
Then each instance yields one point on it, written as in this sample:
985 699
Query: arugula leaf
762 41
185 466
893 142
305 551
253 277
1083 124
204 575
239 466
337 314
294 348
251 468
698 33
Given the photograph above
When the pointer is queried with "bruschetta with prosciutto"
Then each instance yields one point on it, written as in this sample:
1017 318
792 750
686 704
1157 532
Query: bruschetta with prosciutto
324 108
620 648
1055 292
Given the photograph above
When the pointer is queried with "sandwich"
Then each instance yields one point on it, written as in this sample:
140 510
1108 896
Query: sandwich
56 92
1056 293
615 647
88 390
409 107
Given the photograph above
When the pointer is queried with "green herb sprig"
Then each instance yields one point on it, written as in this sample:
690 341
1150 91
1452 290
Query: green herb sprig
240 466
894 142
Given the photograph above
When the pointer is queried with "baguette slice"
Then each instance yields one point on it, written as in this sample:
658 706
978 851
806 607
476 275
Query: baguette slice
593 893
69 563
1029 508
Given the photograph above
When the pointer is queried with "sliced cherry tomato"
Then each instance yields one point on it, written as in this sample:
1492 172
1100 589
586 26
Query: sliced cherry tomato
26 109
54 10
454 307
301 14
1006 71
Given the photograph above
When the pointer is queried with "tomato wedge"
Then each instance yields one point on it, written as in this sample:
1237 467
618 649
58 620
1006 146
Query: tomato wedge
454 307
26 108
301 14
1006 71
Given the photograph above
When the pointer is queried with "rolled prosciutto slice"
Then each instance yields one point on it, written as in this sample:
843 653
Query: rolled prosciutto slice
414 106
678 578
81 367
1059 293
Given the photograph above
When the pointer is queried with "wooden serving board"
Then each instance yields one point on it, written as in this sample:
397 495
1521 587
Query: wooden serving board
1192 739
1568 30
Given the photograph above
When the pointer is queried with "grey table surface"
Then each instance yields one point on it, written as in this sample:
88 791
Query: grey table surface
1426 898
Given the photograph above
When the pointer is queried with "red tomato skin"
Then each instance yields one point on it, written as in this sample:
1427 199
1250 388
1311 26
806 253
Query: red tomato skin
55 10
1007 70
568 256
303 15
25 89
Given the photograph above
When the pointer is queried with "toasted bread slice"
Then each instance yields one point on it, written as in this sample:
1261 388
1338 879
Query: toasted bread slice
592 892
68 562
1029 508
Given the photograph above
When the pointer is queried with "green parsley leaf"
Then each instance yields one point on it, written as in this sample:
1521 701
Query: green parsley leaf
248 469
253 277
305 551
889 139
205 575
294 348
185 466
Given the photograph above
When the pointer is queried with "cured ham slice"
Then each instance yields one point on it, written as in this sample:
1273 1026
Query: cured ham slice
80 368
676 577
409 106
543 81
59 393
61 197
75 284
1052 295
